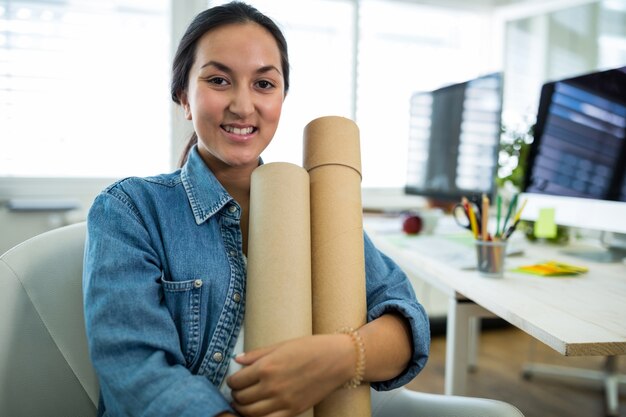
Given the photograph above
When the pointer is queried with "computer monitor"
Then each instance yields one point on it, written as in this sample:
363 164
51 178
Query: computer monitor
577 161
454 138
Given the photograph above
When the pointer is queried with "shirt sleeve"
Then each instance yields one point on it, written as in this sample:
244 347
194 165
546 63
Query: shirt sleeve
389 291
133 342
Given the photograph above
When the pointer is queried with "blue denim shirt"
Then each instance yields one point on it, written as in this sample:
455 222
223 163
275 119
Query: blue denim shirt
164 294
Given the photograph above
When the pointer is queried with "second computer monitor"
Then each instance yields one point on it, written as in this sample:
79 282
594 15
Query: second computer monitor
454 139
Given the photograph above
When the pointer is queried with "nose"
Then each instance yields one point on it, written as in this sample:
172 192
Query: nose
242 102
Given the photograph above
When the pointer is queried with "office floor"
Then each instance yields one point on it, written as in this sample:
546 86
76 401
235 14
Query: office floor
502 355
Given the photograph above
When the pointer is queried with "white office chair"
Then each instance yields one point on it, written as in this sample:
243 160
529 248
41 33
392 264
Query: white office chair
44 362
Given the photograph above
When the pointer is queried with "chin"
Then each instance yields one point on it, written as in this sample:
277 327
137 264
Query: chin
244 162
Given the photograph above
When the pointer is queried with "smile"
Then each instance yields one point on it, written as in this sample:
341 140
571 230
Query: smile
239 131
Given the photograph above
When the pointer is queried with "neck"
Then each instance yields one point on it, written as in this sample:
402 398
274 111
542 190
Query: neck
236 181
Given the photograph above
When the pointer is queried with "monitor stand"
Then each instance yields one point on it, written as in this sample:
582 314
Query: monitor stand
613 249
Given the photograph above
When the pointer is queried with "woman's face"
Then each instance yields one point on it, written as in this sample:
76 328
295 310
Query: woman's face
235 94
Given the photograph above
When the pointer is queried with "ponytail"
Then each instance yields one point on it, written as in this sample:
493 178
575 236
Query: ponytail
190 144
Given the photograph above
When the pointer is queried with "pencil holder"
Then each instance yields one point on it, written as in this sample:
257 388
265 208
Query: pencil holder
490 256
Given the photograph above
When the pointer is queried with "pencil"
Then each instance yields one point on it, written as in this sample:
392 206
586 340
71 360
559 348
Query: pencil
509 212
498 209
471 215
516 220
485 219
518 215
510 230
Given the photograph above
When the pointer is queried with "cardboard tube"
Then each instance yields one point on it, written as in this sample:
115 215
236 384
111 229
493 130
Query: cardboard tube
278 286
332 158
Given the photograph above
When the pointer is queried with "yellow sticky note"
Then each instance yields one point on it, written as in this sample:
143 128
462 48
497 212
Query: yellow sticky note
552 269
544 225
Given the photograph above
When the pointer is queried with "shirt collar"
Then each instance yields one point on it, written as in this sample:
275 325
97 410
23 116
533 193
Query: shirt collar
206 194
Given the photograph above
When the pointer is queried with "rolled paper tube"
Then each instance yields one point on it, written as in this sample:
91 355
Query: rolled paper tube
278 286
332 158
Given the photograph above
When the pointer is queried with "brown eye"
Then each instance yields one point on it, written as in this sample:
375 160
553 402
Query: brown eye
218 81
265 85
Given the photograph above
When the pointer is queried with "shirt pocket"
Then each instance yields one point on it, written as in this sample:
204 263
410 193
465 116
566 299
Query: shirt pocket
184 299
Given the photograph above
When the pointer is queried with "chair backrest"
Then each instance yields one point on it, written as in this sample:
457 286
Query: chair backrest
44 362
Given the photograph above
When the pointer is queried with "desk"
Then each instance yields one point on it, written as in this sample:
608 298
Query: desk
576 316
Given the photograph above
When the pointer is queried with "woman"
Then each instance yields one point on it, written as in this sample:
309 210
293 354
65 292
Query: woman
164 277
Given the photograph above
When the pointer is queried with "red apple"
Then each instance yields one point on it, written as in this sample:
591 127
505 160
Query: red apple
412 224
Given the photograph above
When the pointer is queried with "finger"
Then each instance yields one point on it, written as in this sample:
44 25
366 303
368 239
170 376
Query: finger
248 358
282 413
243 378
248 395
259 408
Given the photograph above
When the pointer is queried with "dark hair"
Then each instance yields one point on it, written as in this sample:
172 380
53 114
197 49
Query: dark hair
230 13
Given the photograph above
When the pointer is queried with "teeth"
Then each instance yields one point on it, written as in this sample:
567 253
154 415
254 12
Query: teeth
238 131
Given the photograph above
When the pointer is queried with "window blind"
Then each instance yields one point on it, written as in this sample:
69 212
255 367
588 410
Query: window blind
84 88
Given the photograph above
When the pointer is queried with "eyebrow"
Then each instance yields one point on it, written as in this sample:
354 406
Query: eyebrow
222 67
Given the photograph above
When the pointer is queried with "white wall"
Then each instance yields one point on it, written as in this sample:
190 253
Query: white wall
42 203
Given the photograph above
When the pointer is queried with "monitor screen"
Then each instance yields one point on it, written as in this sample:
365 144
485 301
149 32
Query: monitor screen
454 138
577 161
579 147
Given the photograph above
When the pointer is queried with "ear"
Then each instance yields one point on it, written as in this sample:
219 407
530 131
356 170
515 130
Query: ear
184 102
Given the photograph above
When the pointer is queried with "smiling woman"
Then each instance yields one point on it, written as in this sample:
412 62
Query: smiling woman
234 105
166 258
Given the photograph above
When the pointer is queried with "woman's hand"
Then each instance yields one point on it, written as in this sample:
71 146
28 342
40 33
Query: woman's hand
288 378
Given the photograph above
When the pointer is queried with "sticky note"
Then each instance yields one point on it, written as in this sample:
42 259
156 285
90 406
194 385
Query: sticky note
545 227
552 268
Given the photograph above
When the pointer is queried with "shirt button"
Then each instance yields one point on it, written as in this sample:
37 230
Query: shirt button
232 209
237 297
232 253
218 357
197 283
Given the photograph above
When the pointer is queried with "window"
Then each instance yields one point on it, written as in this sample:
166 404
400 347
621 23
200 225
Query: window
84 88
407 48
557 44
84 85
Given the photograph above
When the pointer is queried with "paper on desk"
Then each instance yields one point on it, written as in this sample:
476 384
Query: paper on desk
451 249
552 269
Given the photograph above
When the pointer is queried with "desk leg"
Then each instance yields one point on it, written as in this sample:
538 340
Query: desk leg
474 342
457 333
457 341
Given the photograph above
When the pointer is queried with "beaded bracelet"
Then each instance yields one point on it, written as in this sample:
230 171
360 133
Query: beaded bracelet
356 380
